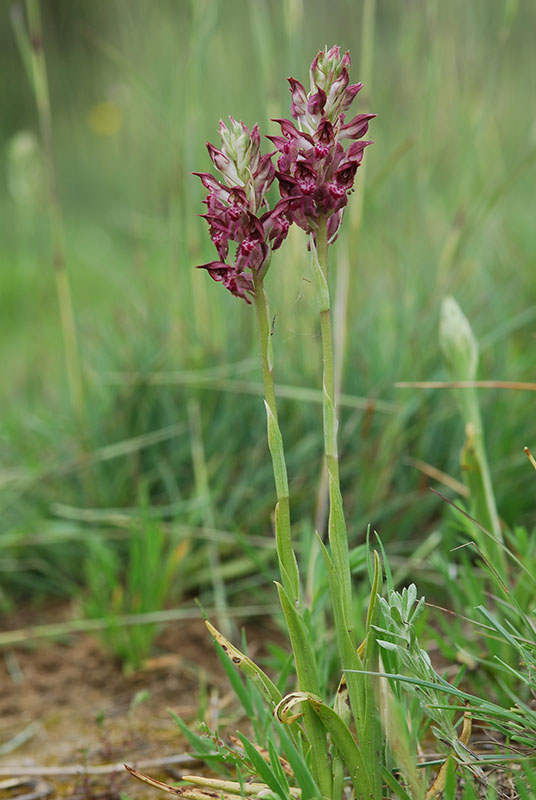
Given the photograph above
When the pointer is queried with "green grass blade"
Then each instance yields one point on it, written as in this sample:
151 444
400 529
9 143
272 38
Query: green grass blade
264 770
275 763
199 744
395 786
299 766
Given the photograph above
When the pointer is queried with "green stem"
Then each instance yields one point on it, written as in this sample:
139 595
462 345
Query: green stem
361 692
289 592
478 478
287 559
337 534
347 274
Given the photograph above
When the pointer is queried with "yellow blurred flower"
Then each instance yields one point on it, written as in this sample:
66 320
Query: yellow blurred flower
105 119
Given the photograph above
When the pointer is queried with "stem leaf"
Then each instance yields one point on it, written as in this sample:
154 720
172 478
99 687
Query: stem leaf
340 735
267 688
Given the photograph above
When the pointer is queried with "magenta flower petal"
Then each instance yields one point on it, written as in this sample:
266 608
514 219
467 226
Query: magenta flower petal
335 52
355 151
357 127
334 223
279 141
299 99
219 159
344 177
349 96
237 283
276 222
290 131
316 103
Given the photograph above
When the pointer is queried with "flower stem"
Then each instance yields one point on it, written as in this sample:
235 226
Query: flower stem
477 476
361 691
289 591
336 524
347 274
287 560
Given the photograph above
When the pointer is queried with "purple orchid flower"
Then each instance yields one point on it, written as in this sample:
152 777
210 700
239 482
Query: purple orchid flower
237 210
314 171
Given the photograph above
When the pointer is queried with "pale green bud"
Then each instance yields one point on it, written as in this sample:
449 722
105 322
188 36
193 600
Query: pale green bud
242 148
458 343
227 139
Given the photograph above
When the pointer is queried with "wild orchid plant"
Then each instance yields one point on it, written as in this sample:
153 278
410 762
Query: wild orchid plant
327 743
315 175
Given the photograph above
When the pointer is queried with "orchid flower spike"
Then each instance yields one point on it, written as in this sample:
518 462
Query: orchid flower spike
237 209
314 170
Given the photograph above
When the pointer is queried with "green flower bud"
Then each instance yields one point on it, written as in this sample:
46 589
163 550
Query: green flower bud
458 343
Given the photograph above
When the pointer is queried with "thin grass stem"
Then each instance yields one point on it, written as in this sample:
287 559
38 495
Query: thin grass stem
74 626
203 491
31 45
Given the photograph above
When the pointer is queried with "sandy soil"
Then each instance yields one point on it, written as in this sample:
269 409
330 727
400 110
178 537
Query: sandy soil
74 706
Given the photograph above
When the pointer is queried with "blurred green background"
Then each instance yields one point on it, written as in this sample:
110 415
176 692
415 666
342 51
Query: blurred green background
173 430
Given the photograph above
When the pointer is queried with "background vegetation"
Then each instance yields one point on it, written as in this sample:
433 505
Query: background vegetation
173 430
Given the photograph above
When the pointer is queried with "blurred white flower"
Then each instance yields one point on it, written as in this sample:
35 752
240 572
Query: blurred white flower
24 168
